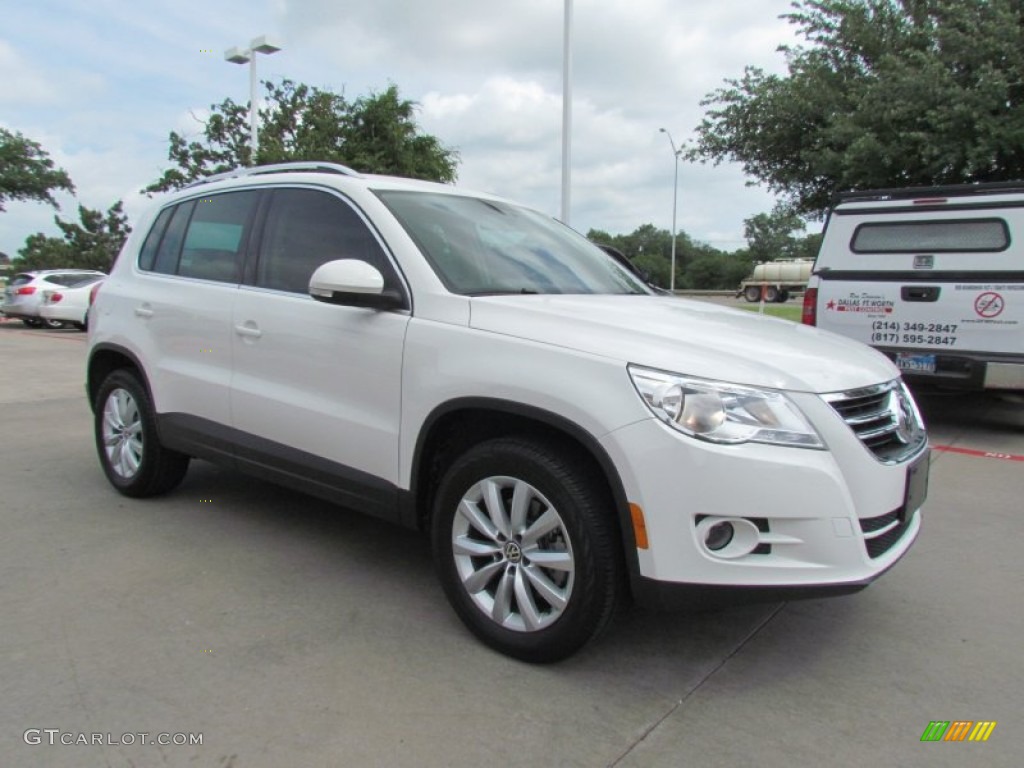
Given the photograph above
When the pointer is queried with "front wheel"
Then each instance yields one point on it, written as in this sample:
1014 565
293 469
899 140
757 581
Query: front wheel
752 293
526 549
32 322
771 294
53 325
130 452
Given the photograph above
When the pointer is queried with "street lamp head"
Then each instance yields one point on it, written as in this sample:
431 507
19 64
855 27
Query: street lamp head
264 44
236 55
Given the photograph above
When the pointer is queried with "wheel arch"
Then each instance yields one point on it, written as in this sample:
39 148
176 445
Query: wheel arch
455 426
104 359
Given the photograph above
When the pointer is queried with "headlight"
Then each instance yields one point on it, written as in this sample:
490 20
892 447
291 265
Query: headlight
724 413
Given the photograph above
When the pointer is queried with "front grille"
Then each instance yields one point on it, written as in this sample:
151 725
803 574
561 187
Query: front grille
882 532
884 418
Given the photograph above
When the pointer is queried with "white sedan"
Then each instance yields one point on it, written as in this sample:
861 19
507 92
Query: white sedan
69 305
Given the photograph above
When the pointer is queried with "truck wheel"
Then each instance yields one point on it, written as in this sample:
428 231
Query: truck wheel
783 296
525 548
771 294
752 293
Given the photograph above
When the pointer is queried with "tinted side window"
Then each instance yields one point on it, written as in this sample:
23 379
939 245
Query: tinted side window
148 253
216 237
306 228
170 245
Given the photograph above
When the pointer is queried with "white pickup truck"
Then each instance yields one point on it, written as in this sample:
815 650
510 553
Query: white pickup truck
932 277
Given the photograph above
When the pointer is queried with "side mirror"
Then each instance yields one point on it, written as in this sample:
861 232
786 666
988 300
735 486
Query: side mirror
352 283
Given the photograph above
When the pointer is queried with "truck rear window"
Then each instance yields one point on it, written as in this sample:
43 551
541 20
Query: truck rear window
945 236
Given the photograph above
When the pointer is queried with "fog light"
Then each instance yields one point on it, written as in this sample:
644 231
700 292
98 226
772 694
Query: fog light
718 536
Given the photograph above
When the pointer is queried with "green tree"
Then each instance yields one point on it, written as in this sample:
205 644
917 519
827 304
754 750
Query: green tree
373 134
90 243
717 271
27 172
776 235
880 93
650 249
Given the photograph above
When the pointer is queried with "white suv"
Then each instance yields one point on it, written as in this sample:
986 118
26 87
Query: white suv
456 363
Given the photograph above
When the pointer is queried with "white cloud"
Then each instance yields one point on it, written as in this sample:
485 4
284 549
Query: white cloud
101 84
21 82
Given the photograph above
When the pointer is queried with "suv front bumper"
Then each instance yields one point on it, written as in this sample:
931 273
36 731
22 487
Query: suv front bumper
820 524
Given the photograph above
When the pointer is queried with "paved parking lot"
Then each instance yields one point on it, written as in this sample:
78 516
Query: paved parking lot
288 633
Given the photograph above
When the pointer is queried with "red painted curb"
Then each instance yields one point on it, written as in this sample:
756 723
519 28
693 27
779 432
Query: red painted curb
980 454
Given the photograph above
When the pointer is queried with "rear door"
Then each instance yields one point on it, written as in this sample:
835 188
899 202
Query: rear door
189 270
921 280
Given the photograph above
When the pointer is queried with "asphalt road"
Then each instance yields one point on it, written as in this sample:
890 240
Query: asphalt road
285 632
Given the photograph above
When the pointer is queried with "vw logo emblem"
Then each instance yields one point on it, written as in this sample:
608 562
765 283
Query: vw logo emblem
513 552
902 416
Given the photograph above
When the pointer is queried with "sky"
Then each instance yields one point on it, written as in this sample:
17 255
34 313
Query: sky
100 85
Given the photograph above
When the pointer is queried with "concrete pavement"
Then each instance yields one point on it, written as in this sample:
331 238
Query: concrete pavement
287 632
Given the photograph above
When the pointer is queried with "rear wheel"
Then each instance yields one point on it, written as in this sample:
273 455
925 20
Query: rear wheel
783 296
130 452
771 294
526 549
53 325
752 293
32 322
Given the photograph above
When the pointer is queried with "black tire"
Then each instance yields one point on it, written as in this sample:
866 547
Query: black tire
752 293
585 540
138 465
783 296
53 325
32 322
771 294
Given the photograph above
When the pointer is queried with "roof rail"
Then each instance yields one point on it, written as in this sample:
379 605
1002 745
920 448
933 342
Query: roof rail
259 170
909 193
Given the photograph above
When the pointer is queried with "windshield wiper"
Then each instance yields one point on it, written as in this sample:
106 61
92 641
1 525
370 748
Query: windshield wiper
505 292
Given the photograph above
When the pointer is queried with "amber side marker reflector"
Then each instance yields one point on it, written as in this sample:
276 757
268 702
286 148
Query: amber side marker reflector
639 526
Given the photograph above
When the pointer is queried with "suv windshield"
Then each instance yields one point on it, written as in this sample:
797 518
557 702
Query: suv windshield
483 247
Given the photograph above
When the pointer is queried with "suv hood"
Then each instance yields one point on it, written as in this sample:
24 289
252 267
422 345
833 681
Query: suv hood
688 337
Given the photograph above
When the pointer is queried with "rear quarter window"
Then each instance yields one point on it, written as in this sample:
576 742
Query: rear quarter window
938 236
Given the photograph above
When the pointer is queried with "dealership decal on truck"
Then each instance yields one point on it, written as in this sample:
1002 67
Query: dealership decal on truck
862 302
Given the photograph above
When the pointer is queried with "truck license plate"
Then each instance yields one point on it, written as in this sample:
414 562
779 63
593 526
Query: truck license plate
915 363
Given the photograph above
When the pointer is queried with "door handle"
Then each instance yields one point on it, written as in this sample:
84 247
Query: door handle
919 293
144 311
248 330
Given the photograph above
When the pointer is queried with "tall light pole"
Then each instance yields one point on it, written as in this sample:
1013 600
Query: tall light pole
675 199
566 111
248 56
